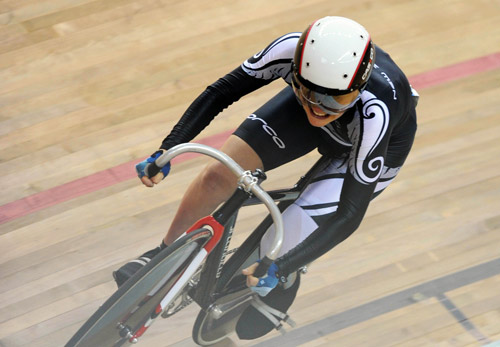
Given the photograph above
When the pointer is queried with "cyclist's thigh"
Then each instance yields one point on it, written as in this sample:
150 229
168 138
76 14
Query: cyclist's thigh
242 153
279 131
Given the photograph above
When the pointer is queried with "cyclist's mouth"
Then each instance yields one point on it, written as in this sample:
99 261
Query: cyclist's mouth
317 112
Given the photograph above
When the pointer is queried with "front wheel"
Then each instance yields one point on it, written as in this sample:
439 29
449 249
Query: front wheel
141 298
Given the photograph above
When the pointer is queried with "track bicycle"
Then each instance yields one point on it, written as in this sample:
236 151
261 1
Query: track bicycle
195 269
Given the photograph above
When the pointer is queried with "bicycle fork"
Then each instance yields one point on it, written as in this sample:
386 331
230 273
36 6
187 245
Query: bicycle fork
178 286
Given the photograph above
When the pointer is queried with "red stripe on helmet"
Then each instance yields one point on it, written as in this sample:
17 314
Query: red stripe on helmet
360 61
304 47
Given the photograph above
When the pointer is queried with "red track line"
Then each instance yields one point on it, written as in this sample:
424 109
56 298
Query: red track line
88 184
126 171
456 71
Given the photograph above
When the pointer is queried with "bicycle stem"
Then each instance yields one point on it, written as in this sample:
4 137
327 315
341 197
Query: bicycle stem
246 180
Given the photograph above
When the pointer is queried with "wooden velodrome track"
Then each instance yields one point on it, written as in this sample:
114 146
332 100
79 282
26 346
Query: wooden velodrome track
90 87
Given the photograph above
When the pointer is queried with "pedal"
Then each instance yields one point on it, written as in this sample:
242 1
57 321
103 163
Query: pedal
273 315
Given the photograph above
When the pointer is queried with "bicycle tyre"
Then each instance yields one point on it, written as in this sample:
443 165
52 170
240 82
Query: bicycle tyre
137 299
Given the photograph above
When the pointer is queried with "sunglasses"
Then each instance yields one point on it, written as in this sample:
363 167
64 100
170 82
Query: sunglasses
327 103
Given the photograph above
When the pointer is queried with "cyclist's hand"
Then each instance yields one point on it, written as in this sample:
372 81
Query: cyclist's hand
148 179
263 285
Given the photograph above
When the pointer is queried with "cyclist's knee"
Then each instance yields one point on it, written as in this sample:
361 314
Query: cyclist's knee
216 178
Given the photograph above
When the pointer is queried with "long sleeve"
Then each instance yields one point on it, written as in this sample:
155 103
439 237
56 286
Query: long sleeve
210 103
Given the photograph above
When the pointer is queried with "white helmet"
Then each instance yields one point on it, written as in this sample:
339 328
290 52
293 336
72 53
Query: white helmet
334 56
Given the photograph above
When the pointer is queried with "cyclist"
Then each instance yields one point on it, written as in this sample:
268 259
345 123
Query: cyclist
344 96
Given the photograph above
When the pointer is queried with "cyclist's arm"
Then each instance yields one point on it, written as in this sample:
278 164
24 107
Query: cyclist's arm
210 103
354 201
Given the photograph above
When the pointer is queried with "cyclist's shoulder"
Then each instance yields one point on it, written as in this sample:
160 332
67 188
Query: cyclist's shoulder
275 59
388 81
388 87
282 47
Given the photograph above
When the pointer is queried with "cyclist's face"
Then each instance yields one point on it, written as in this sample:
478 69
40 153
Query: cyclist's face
322 109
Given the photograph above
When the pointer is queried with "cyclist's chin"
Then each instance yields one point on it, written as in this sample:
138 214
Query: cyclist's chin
318 118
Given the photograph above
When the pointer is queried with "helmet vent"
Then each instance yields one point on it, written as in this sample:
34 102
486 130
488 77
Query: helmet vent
346 75
307 64
354 54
